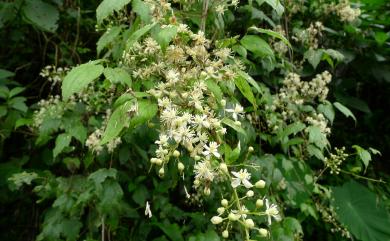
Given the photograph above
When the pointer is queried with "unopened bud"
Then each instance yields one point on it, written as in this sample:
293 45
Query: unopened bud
250 193
176 153
260 184
161 172
207 191
220 210
225 234
216 220
249 223
223 103
224 202
263 232
180 166
233 217
250 149
223 168
259 203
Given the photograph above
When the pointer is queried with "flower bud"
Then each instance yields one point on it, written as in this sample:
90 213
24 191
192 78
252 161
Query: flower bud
196 182
250 193
233 217
221 210
250 149
216 220
224 203
197 158
180 166
223 168
259 203
158 161
260 184
207 191
238 123
176 153
153 160
223 103
263 232
249 223
225 234
161 172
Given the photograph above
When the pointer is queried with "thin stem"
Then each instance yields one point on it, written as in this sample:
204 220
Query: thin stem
204 15
361 177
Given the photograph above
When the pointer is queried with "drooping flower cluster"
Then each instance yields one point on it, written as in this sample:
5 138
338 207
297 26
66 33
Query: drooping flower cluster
335 160
344 11
310 36
54 74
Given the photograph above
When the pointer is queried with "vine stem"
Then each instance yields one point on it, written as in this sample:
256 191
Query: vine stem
204 15
361 177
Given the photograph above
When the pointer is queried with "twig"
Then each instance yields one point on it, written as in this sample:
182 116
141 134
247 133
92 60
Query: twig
204 15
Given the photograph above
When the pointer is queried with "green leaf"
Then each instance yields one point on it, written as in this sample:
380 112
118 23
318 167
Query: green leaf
146 111
62 141
381 37
327 109
250 80
102 174
118 120
108 37
314 151
257 45
363 154
118 75
142 9
293 128
107 7
233 125
276 5
245 89
171 230
314 56
15 91
271 33
4 74
344 110
41 14
165 36
138 34
79 78
357 208
215 89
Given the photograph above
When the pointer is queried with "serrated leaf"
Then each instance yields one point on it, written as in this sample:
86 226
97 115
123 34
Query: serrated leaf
245 89
4 74
142 9
118 120
314 56
215 89
357 208
62 141
250 80
107 7
146 111
79 78
138 34
165 36
314 151
108 37
293 128
231 123
118 75
344 110
363 154
41 14
271 33
15 91
257 45
327 110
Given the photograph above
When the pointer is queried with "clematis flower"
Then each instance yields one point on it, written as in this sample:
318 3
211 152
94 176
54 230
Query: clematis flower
211 149
241 177
272 211
237 111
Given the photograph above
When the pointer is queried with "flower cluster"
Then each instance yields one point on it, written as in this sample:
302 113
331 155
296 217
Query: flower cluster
54 74
309 37
334 161
235 210
191 115
344 11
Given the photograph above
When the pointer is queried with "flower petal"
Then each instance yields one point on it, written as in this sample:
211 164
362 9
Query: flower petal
236 182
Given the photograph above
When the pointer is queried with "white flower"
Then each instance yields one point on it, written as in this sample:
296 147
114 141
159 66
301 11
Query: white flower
220 9
272 211
172 76
211 149
163 141
237 111
148 212
243 177
203 171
